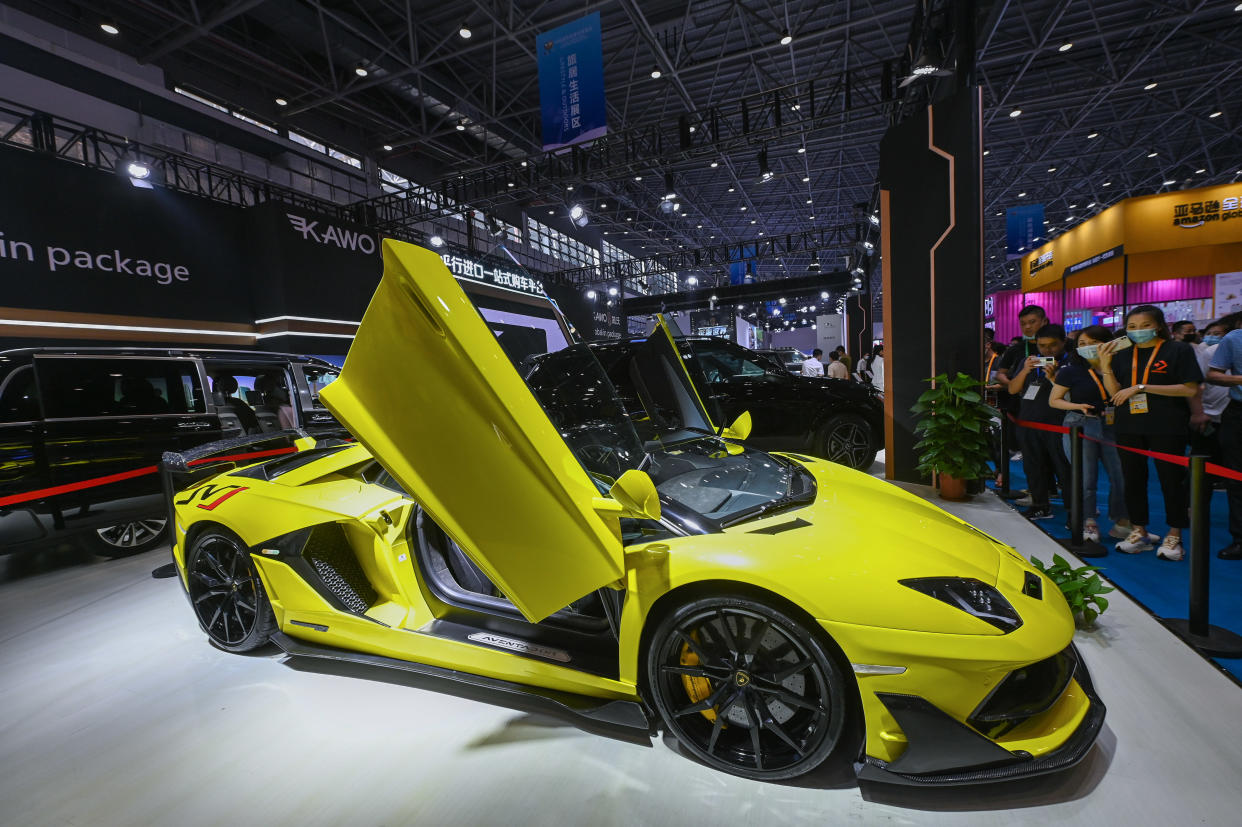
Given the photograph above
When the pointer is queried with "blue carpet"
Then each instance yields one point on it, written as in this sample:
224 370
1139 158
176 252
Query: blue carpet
1161 586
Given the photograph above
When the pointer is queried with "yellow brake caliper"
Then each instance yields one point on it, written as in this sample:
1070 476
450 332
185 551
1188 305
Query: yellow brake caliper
697 688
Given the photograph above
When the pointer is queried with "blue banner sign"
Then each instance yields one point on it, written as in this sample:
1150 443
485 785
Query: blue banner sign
571 82
1022 226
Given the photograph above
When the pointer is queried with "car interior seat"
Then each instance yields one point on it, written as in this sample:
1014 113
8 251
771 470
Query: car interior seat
226 385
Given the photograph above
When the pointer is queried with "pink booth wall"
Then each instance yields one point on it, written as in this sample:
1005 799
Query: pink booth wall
1007 303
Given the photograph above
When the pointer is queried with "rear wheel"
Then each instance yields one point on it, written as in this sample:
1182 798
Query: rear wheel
132 537
846 439
228 597
746 688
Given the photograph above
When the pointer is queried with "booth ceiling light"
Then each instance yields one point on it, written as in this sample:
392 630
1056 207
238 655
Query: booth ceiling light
612 291
590 294
1200 171
732 189
109 28
437 240
1065 47
1149 86
578 215
282 102
692 281
138 169
1152 154
461 126
1052 169
464 32
655 73
806 179
823 294
786 38
360 70
1215 114
801 150
388 148
1015 113
714 164
1170 182
874 219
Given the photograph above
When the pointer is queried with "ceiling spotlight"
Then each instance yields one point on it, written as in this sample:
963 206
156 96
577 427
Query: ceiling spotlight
765 171
669 192
874 219
655 73
1022 195
590 294
808 200
1149 86
743 209
823 294
388 148
461 125
801 150
1065 47
282 102
551 212
1200 171
810 218
1107 184
109 28
578 215
1015 113
360 70
1052 169
692 127
437 240
1215 114
1152 154
858 271
638 178
698 226
511 184
692 281
1000 213
987 152
523 163
731 189
868 246
612 291
631 218
138 169
781 300
464 32
1169 183
714 164
610 301
806 179
786 38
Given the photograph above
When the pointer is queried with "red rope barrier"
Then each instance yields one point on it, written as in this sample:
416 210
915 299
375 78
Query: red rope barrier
1211 467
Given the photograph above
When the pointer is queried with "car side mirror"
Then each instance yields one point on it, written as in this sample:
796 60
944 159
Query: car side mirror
740 429
637 495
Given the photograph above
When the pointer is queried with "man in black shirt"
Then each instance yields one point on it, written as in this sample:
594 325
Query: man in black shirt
1042 454
1030 319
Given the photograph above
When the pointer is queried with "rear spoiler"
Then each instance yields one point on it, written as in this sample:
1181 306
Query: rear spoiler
180 470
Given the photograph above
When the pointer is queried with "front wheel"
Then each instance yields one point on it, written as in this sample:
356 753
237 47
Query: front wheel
846 439
226 592
746 688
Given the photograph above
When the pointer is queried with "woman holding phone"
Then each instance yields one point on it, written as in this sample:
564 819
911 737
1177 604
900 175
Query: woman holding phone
1079 389
1151 385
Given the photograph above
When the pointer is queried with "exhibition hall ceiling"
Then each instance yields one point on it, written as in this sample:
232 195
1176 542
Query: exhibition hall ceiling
1085 103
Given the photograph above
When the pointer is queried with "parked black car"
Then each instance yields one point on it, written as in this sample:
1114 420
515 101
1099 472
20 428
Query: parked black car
790 357
834 419
82 431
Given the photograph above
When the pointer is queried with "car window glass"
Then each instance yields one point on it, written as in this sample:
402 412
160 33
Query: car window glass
83 387
724 364
20 402
258 394
317 378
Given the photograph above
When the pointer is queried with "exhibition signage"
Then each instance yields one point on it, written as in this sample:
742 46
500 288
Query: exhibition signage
1191 214
473 270
1228 293
1107 255
1022 226
571 82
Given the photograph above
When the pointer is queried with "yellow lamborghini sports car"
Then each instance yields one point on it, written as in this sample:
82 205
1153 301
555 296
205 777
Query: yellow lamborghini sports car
531 535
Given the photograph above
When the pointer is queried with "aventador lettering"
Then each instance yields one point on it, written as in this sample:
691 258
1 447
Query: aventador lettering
57 259
345 239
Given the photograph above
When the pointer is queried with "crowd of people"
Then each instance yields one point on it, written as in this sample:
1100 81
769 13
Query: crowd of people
840 365
1152 387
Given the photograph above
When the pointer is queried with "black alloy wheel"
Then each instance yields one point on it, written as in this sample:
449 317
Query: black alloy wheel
746 688
131 537
846 439
228 596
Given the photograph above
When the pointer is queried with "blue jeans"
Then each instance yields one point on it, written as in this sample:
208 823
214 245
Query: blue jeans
1092 454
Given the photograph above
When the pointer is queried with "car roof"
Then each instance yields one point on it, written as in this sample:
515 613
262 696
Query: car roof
23 355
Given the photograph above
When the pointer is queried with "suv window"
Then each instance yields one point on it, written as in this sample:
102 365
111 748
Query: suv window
317 379
86 386
20 400
723 363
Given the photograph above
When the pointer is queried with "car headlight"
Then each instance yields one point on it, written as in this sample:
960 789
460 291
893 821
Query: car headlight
971 596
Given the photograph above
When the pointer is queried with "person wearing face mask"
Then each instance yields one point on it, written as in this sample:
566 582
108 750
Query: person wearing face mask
1225 371
1151 385
1030 319
1205 428
1079 390
1042 455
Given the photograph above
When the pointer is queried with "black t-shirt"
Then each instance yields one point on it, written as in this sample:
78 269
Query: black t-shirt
1011 363
1037 409
1082 387
1174 364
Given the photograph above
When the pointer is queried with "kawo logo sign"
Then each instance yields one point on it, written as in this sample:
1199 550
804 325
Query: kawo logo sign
332 235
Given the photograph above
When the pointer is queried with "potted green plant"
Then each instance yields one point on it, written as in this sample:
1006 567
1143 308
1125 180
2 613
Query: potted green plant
1081 586
953 423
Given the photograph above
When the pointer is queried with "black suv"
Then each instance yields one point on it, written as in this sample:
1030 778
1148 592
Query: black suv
834 419
82 431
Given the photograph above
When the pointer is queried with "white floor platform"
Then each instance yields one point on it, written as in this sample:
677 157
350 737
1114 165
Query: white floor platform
115 710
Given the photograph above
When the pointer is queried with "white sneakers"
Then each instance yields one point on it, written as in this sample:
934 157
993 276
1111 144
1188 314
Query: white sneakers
1120 532
1139 540
1024 502
1171 549
1091 531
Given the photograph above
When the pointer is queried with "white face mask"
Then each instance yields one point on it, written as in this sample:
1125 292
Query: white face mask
1089 352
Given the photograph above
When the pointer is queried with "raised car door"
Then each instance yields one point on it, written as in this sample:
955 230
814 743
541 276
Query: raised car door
430 392
675 381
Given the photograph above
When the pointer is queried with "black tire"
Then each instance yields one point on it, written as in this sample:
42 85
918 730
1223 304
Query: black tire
130 537
719 665
227 595
846 439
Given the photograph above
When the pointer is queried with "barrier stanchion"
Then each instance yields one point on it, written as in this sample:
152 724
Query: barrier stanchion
1003 466
1196 630
1076 544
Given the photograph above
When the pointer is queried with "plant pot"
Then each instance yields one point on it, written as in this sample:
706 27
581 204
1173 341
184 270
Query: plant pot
952 488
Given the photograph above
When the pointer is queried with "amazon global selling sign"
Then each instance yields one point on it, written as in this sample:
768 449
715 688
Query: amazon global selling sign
1198 213
466 268
1042 263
